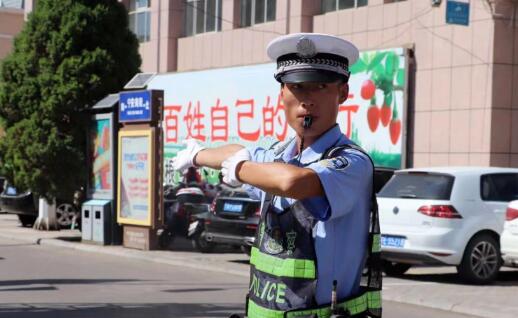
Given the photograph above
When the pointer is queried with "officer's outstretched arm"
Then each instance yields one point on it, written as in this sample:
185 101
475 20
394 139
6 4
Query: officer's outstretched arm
213 157
281 179
195 154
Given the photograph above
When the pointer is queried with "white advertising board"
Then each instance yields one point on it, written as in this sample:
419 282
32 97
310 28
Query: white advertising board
242 105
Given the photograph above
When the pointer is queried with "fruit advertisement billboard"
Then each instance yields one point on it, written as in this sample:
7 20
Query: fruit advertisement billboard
379 86
243 105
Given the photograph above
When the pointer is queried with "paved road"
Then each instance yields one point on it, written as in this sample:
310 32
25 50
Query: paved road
45 281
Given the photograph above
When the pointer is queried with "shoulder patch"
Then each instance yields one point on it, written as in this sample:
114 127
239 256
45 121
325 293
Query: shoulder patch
337 163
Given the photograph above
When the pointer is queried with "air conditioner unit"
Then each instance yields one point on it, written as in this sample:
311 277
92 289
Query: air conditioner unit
436 3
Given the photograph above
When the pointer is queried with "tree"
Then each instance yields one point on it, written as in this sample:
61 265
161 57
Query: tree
69 55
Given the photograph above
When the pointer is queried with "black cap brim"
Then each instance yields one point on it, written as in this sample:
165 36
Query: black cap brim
315 76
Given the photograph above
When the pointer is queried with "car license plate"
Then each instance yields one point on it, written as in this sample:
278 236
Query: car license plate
392 241
232 207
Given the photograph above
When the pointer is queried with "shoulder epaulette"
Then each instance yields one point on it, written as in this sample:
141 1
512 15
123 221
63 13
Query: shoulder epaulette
331 152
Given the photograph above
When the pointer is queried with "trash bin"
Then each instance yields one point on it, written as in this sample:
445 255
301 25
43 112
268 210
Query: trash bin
99 229
101 222
86 222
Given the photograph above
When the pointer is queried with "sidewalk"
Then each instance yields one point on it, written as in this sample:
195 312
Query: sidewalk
436 287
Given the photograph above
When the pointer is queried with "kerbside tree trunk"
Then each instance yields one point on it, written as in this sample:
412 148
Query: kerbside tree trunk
47 220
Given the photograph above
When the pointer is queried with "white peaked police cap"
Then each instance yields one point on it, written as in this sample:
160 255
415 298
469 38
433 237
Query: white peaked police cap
311 57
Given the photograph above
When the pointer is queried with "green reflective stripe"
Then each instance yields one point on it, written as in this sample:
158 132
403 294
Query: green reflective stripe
320 312
256 311
289 267
376 243
355 306
374 299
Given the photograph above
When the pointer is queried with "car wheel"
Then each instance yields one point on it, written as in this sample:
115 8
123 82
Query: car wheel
201 244
481 261
65 213
27 220
395 269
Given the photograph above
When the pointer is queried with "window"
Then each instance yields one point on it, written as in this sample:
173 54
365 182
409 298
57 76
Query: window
499 187
419 185
334 5
140 19
202 16
12 4
257 11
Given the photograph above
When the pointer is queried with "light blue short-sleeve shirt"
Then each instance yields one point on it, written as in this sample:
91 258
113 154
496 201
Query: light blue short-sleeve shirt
340 235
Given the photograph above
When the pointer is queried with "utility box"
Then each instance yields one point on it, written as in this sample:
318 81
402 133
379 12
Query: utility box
101 221
86 221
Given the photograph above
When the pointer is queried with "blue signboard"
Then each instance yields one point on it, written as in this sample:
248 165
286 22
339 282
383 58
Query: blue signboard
457 12
135 106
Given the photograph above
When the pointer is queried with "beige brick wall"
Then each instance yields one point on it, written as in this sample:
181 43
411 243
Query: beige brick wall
11 23
504 129
232 46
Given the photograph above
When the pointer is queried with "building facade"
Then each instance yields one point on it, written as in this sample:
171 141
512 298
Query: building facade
11 23
462 99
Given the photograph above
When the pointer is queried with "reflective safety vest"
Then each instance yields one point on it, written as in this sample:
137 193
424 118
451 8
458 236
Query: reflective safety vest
283 271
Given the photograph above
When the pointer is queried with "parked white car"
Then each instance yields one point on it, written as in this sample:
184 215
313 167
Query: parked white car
446 215
509 238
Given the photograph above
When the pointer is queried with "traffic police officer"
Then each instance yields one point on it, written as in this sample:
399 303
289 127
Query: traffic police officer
317 247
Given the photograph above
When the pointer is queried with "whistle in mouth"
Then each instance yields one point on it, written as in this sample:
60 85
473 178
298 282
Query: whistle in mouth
308 120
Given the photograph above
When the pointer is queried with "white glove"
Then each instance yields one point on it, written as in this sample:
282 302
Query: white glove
185 158
228 167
